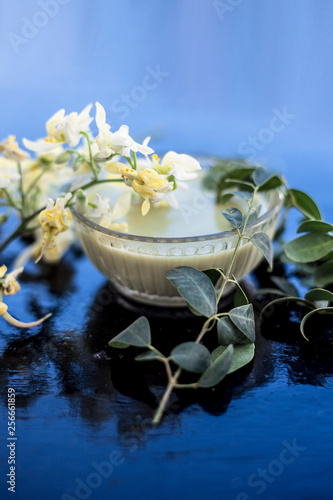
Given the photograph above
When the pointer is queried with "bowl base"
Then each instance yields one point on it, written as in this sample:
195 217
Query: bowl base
158 300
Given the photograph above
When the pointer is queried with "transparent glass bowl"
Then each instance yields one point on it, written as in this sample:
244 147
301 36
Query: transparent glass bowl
137 265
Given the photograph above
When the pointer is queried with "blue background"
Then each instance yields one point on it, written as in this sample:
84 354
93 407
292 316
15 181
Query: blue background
227 67
226 64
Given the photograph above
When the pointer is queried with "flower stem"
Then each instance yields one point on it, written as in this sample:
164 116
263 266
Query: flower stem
34 182
21 228
93 183
10 199
91 161
21 189
134 159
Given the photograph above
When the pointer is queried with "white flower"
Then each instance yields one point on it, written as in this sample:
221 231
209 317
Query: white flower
62 129
118 142
148 183
101 212
11 150
182 167
98 209
54 218
8 280
8 174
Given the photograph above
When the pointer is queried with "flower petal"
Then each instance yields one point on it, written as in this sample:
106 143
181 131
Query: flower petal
122 206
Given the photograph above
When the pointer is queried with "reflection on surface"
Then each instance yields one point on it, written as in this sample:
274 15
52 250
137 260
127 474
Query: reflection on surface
101 384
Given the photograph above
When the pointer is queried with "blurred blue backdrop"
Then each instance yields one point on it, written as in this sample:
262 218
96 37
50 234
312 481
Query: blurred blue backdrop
228 77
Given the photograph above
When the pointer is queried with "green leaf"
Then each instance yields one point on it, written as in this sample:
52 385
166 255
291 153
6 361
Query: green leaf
242 355
263 243
315 226
225 197
240 297
243 318
234 216
218 370
228 333
137 334
64 157
196 288
324 274
242 172
192 357
317 294
245 195
285 285
148 356
261 175
305 204
309 247
273 182
265 179
213 274
321 310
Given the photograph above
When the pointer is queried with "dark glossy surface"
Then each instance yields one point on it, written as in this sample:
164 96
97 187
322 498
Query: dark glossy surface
227 66
81 404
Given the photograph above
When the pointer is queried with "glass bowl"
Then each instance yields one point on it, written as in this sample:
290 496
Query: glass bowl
137 265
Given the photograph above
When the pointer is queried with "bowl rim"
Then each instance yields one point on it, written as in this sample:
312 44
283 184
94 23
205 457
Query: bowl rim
181 239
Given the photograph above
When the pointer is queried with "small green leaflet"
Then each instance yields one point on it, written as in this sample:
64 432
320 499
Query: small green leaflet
315 226
148 356
305 204
317 294
218 370
242 355
196 288
283 284
324 274
137 334
261 175
265 179
234 216
243 318
228 333
192 357
309 247
263 243
240 297
213 274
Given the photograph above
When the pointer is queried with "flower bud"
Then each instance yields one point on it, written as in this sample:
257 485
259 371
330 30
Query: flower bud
64 157
81 201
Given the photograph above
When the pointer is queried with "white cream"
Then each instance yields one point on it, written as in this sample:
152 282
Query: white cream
137 265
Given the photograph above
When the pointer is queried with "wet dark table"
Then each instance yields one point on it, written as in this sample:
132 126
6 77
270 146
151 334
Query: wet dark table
83 410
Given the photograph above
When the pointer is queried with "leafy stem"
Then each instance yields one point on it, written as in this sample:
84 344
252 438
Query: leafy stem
173 382
240 237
